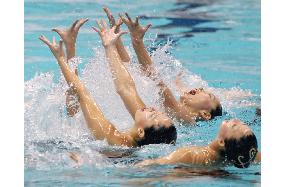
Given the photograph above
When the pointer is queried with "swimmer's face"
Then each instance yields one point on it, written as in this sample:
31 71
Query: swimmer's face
198 99
148 117
233 129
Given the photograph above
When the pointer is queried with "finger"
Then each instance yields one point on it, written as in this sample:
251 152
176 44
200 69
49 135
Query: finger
137 20
147 27
97 30
99 25
119 22
110 16
57 31
82 22
117 26
124 20
45 40
53 40
122 33
104 24
129 18
61 44
74 24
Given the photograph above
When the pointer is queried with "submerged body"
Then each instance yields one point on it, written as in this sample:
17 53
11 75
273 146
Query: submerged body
234 144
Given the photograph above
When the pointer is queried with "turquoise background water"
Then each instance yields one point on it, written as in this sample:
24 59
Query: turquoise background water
216 40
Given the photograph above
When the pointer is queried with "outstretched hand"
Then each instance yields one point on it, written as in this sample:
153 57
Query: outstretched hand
69 36
112 21
108 36
136 30
56 49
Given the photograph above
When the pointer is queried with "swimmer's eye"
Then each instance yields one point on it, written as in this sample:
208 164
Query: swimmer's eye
192 92
173 142
234 125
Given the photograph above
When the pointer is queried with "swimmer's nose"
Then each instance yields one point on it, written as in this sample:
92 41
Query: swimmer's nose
192 92
224 122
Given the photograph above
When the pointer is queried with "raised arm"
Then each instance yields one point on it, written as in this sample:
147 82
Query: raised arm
169 99
137 33
119 45
173 107
100 127
123 81
181 87
69 37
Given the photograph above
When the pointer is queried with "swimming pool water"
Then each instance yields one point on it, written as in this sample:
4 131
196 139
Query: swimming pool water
217 42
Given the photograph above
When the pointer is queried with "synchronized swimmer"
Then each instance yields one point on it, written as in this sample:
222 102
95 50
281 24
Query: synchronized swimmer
235 144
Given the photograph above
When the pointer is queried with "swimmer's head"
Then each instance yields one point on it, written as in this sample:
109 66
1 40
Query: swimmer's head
239 143
205 104
153 127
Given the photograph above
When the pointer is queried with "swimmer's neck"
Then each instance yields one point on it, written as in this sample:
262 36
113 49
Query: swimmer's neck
132 136
214 149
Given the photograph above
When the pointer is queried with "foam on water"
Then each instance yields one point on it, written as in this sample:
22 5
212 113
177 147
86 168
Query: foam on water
50 135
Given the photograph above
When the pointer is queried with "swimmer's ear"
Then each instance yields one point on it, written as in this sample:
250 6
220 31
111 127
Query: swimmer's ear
221 143
140 132
205 115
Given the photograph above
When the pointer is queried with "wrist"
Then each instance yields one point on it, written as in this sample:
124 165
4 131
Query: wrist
136 40
118 43
70 51
60 59
109 46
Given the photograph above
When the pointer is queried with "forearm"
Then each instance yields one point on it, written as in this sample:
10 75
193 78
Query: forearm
122 51
70 50
141 52
92 113
181 87
167 95
69 76
123 82
121 77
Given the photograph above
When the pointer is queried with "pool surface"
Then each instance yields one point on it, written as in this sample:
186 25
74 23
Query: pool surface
216 43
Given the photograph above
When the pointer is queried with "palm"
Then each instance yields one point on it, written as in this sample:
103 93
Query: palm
112 21
108 36
136 30
69 36
56 49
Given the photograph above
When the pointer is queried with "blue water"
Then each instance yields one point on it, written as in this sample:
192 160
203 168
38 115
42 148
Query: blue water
217 43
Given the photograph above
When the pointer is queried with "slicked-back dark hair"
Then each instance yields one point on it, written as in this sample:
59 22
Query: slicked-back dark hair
158 135
241 152
216 112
